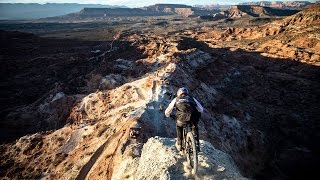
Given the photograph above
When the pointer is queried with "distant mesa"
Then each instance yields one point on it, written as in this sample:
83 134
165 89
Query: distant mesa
165 7
280 4
180 9
98 12
18 11
154 10
257 11
51 11
239 11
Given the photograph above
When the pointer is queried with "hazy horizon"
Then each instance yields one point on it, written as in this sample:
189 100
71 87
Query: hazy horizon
132 3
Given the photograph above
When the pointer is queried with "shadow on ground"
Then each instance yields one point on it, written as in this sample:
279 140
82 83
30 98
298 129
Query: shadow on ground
35 70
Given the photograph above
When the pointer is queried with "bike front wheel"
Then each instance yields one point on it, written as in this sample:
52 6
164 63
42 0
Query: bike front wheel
192 153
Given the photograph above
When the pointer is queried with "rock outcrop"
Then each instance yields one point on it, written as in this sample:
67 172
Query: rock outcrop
160 159
293 37
279 4
257 11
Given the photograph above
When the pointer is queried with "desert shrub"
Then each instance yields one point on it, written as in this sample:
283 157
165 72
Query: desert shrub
60 139
89 153
68 167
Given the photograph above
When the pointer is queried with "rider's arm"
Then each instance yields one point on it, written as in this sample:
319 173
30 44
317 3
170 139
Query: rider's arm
199 106
169 109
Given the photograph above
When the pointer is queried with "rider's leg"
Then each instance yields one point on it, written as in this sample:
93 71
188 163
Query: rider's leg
195 131
179 136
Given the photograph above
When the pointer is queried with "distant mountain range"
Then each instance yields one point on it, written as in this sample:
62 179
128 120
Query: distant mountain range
73 11
235 11
14 11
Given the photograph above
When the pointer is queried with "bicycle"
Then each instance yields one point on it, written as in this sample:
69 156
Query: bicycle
189 148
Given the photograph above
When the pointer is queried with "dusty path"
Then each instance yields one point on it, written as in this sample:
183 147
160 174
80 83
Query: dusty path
160 160
153 114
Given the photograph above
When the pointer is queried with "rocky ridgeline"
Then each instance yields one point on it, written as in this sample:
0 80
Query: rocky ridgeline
294 37
307 17
257 11
250 11
279 4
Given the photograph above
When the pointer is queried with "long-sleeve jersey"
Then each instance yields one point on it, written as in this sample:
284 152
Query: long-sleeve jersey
169 109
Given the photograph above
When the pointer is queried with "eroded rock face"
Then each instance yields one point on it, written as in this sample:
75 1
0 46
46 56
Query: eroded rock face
279 4
49 114
294 37
257 11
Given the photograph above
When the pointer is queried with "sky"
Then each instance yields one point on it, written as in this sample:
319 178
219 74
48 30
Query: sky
135 3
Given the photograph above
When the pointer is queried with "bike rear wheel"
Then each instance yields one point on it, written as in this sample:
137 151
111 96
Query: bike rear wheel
192 153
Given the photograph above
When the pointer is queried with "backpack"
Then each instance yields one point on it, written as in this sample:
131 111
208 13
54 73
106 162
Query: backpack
186 106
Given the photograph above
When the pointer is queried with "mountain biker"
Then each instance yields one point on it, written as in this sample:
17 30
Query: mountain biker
188 111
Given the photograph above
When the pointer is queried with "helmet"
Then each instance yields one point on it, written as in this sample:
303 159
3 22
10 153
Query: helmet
182 90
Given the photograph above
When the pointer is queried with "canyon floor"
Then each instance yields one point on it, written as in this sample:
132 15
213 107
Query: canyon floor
72 92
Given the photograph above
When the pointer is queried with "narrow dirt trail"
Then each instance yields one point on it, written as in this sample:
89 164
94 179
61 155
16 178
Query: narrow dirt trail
161 160
153 113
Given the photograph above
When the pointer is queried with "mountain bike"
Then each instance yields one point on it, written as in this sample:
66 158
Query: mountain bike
189 148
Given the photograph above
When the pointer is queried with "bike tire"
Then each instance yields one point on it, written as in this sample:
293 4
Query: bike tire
192 153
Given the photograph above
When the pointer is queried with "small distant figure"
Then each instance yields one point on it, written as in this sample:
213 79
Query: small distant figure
188 111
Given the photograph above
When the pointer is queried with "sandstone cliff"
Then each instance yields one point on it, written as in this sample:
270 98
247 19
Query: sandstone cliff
257 11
